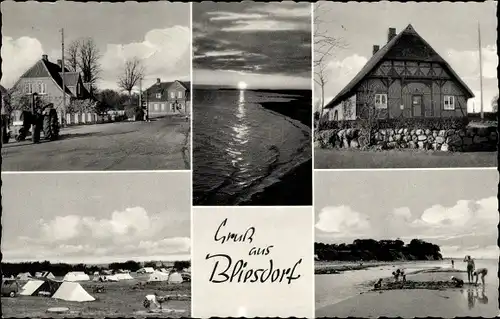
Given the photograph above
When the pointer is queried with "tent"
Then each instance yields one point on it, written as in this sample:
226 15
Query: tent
112 278
30 287
24 276
76 276
175 278
72 291
45 274
34 287
123 276
146 270
158 276
164 270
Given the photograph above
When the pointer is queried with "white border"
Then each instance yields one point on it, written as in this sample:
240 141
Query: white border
313 212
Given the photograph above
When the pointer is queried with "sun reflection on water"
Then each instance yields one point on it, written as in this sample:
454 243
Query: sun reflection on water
240 136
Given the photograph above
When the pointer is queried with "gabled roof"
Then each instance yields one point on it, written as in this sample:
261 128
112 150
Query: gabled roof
44 68
381 54
70 78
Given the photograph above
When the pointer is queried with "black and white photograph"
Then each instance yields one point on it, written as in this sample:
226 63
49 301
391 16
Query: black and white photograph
252 110
96 245
406 243
95 86
395 87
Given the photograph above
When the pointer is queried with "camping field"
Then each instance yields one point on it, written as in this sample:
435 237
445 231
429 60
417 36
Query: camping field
119 299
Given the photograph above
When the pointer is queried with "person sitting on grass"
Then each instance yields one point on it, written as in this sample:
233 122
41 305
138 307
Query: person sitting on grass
157 301
378 284
481 271
151 302
470 268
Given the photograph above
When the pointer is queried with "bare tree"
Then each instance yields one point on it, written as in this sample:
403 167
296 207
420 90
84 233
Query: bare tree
84 56
325 46
132 73
89 64
72 56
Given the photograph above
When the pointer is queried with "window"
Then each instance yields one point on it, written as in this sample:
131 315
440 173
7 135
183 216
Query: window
449 102
381 101
158 95
28 88
172 95
179 94
156 107
336 115
163 106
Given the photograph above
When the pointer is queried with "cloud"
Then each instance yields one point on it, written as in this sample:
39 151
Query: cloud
229 16
468 224
342 221
165 54
265 25
129 233
466 63
17 56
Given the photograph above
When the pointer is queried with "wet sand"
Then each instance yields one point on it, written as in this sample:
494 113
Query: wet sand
445 302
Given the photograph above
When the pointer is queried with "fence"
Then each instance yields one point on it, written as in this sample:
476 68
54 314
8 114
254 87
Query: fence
83 118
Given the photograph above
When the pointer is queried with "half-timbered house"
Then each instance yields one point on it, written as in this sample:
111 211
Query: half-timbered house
404 78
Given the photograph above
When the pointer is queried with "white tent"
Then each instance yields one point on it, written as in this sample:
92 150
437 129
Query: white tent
24 276
175 278
123 276
148 270
76 276
45 274
72 291
158 276
163 270
30 287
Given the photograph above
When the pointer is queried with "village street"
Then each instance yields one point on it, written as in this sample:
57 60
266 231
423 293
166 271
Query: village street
161 144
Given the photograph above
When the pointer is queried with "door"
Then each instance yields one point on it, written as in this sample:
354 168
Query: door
417 107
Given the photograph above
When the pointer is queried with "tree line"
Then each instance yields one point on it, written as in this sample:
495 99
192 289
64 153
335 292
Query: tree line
61 269
381 250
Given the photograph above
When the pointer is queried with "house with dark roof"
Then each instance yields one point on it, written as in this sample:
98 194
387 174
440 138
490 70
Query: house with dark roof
404 78
164 98
46 80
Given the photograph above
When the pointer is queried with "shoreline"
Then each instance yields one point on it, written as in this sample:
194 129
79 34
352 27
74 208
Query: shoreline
285 181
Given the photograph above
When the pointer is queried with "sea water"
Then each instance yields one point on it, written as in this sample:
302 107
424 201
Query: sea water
238 144
334 288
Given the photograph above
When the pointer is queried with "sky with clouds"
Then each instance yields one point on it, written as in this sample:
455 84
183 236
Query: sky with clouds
455 209
450 28
266 45
96 218
158 33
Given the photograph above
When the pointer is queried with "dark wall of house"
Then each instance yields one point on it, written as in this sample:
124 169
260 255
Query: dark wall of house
402 80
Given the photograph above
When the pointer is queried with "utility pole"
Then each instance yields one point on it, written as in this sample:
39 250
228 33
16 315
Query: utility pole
63 120
140 93
480 68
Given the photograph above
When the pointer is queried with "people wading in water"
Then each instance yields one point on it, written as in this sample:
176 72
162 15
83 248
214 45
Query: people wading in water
470 268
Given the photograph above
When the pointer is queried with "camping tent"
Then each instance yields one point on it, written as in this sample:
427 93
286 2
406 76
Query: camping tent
146 270
175 278
30 287
123 276
158 276
76 276
34 287
45 274
72 291
112 278
24 276
164 270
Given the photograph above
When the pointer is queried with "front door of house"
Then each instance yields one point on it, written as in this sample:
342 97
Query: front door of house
417 107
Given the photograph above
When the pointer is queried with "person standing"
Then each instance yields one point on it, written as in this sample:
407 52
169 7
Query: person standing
452 264
37 126
470 268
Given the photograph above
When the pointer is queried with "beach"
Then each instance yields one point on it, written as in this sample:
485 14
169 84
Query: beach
350 292
244 148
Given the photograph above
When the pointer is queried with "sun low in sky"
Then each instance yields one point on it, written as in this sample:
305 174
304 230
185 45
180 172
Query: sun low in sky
242 85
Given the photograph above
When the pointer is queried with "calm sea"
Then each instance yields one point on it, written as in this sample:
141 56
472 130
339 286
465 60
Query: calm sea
241 147
332 289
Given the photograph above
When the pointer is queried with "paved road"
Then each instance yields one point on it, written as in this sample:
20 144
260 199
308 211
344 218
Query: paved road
162 144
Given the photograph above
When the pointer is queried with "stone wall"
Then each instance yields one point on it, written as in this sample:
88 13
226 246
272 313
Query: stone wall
472 138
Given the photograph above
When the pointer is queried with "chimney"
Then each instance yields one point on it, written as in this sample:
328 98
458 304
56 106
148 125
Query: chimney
391 34
45 57
158 80
375 49
59 62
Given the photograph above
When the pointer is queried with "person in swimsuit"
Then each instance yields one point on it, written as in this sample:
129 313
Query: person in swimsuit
470 268
480 272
